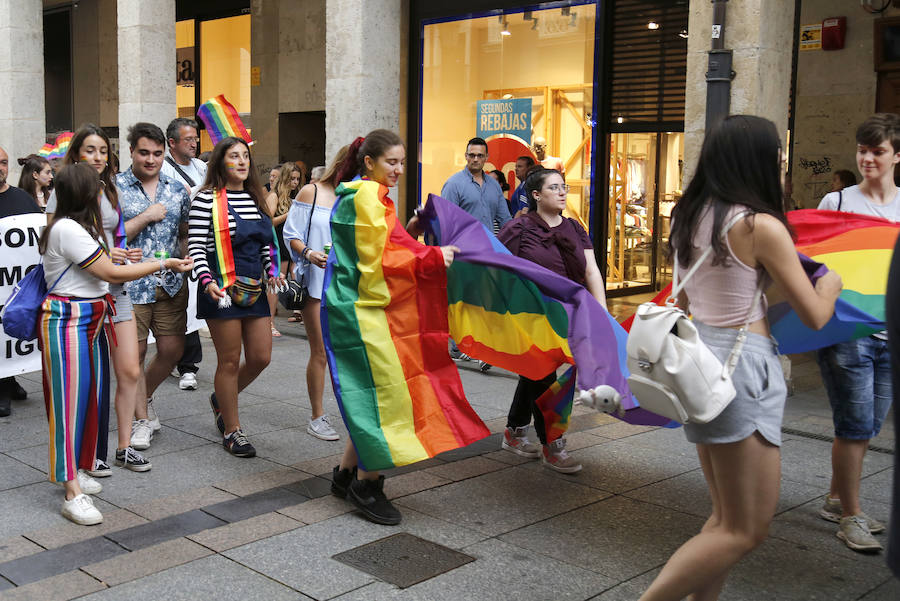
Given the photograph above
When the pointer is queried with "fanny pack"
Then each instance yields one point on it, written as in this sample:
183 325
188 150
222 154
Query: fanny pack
245 291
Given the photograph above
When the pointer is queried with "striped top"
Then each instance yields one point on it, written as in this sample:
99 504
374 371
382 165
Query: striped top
201 239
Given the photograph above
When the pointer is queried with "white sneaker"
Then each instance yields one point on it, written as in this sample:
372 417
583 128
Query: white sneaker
321 428
141 434
88 485
81 510
188 381
152 416
174 373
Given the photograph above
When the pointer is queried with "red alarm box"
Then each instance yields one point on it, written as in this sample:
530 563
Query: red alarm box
834 30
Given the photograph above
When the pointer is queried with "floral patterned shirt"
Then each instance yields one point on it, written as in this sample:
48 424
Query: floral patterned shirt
158 236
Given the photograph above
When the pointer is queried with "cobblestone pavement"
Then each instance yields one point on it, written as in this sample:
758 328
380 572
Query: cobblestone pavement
204 525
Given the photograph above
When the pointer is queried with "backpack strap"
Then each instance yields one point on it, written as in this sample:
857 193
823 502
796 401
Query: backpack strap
50 289
678 286
840 199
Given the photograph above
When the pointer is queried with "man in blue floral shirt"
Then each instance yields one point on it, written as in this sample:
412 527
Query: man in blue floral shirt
155 208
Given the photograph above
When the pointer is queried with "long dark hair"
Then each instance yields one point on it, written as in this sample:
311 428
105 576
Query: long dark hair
77 194
30 165
739 165
375 144
108 175
217 173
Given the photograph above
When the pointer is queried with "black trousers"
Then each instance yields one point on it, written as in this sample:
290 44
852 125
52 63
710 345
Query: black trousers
523 407
193 354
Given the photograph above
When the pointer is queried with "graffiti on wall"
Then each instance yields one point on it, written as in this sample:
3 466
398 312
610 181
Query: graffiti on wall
816 166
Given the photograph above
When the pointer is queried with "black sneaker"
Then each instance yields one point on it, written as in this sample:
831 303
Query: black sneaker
132 460
368 496
101 469
341 480
220 422
237 444
5 406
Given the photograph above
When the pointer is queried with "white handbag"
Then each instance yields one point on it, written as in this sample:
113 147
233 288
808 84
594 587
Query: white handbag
673 373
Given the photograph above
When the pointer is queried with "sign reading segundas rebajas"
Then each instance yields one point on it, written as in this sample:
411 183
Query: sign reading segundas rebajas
511 116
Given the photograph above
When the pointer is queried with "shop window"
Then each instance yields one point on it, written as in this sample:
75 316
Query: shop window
225 65
644 184
185 69
511 77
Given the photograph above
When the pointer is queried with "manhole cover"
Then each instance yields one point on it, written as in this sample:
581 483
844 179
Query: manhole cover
403 559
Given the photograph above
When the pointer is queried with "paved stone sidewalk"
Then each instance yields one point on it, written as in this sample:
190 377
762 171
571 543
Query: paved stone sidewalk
205 525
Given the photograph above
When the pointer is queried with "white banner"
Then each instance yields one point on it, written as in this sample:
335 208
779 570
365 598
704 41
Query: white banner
19 254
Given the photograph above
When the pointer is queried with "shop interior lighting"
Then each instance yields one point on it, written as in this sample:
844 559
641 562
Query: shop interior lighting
534 24
683 34
566 11
620 119
504 25
653 25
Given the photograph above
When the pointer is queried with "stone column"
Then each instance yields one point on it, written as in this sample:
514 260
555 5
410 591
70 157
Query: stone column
264 45
146 43
22 116
760 32
363 69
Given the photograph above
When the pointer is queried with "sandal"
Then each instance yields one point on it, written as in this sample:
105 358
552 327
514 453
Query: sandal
297 317
275 333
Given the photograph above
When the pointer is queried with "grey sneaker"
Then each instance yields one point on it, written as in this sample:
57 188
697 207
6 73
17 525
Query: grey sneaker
516 441
141 434
321 428
555 457
832 511
152 416
855 534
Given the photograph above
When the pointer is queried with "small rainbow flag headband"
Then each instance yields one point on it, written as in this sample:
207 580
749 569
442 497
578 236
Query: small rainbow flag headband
222 120
58 149
222 238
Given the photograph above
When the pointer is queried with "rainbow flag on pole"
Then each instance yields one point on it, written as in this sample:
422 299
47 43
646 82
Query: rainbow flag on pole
222 120
859 248
58 149
384 321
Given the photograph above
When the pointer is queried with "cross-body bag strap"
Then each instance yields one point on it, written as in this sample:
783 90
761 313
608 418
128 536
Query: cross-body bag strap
735 354
50 289
180 171
840 199
309 226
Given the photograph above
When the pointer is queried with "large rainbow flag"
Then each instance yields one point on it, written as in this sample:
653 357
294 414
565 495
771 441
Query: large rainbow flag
58 149
384 320
518 315
222 120
859 248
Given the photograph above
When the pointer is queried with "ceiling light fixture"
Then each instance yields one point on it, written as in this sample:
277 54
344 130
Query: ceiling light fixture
683 34
505 30
620 119
566 11
653 25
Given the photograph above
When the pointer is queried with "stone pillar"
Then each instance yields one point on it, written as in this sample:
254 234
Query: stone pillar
22 116
363 71
760 32
264 38
146 47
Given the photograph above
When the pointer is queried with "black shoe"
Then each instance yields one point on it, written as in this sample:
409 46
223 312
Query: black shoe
220 421
237 444
132 460
16 392
5 408
341 480
368 496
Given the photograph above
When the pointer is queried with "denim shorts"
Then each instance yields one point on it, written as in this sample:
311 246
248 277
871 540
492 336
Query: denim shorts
123 302
857 377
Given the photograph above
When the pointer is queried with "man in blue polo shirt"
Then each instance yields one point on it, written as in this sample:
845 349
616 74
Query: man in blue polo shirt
474 192
481 197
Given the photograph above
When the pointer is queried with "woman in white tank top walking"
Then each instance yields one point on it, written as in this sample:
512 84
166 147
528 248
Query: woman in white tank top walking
738 175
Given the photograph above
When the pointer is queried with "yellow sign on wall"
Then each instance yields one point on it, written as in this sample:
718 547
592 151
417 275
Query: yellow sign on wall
254 76
811 37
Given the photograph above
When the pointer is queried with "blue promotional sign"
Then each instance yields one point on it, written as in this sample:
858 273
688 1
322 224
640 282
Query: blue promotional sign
511 117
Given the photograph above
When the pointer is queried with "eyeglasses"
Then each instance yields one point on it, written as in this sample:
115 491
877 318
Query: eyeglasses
473 155
190 139
559 188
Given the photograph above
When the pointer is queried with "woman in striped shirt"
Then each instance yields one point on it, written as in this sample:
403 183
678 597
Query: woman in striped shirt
230 239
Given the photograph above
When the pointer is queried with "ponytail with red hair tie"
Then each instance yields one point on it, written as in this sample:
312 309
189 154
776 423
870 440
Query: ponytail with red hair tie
350 167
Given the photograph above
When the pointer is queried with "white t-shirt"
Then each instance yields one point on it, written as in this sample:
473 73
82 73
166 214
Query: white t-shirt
71 244
852 200
108 215
196 171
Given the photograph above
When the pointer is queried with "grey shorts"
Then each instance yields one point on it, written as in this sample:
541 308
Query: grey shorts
123 302
761 390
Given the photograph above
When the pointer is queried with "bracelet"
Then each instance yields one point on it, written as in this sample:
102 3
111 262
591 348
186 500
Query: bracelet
306 251
162 265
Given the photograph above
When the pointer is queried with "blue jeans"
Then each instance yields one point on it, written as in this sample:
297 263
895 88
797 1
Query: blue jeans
857 377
